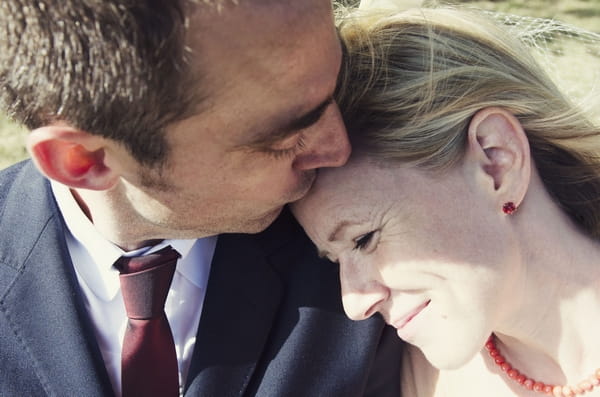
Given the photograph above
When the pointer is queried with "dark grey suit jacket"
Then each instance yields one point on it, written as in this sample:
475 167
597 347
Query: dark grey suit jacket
272 323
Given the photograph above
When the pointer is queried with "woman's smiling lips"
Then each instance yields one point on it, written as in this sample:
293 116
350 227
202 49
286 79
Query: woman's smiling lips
400 323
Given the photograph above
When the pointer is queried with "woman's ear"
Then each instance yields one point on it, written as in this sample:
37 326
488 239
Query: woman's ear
72 157
499 144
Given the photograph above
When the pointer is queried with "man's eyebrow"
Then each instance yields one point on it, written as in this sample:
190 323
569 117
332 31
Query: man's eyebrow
309 118
295 125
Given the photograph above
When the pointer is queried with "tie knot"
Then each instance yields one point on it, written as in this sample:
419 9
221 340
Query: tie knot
145 282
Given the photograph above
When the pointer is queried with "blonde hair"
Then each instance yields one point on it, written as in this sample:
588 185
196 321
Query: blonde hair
412 81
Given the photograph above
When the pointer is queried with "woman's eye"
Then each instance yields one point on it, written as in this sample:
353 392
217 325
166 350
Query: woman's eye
363 241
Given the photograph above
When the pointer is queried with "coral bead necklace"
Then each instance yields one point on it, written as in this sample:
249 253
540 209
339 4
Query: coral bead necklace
540 387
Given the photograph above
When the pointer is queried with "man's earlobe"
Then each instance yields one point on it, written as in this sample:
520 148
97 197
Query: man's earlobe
500 144
71 157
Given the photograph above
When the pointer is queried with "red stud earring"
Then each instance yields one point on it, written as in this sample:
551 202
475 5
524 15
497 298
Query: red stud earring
509 208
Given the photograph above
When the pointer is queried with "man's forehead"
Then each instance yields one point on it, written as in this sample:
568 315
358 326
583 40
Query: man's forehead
244 30
261 73
215 11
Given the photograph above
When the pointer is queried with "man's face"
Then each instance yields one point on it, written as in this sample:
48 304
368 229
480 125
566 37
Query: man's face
267 122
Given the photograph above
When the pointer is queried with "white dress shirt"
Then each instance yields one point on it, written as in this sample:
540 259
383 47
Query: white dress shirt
93 257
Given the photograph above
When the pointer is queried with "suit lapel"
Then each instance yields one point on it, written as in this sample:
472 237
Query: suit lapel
39 296
241 301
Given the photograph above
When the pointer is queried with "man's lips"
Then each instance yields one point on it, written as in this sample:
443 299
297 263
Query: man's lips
402 321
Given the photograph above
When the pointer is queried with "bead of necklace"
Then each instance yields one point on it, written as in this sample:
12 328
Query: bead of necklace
531 384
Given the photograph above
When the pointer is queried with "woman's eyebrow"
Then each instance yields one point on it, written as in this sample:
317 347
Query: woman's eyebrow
338 229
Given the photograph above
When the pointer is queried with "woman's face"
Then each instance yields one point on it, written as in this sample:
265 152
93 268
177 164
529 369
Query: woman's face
431 254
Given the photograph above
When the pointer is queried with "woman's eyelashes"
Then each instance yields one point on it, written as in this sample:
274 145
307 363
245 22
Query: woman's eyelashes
363 242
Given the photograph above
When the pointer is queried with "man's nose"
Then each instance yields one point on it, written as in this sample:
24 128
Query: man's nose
362 295
327 145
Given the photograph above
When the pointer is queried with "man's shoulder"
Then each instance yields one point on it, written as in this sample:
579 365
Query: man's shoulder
22 175
23 192
283 230
285 237
9 174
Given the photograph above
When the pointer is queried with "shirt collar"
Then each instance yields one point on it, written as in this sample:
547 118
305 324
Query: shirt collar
93 255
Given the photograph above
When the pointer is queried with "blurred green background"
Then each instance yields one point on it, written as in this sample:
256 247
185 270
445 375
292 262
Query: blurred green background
572 62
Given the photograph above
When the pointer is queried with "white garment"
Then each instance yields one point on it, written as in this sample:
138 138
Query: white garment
93 257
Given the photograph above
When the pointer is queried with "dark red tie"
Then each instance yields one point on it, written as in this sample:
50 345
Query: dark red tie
149 361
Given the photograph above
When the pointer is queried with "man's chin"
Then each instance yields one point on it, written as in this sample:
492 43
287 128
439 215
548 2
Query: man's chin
307 180
261 223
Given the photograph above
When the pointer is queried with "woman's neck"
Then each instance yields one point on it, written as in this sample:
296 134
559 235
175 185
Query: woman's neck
550 328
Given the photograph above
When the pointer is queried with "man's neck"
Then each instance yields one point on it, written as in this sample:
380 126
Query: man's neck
114 222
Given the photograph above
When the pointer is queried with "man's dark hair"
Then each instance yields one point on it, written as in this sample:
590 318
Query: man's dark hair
114 68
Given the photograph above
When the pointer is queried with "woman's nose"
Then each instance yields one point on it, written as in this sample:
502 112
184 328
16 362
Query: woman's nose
362 295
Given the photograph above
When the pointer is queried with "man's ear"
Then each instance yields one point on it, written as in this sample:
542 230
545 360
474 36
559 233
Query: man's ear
70 156
501 148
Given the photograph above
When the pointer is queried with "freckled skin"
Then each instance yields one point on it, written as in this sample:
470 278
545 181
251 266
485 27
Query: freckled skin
412 238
